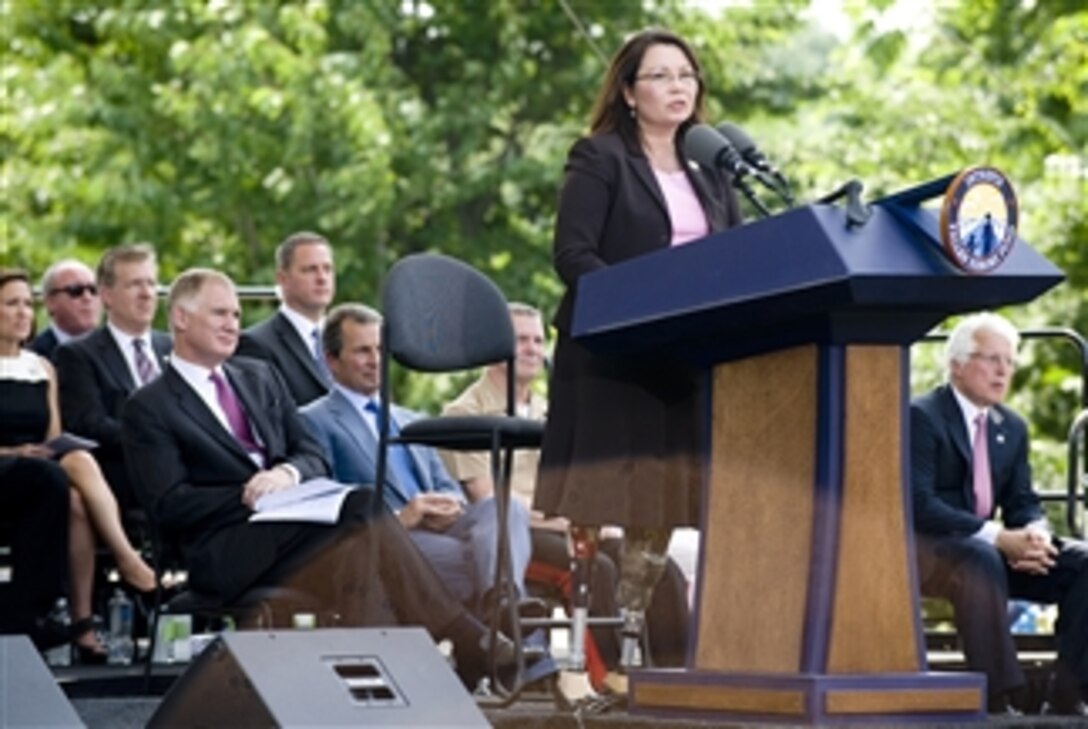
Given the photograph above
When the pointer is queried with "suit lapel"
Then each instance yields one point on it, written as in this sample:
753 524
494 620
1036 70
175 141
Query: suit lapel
957 428
190 403
641 167
289 338
961 440
114 362
161 344
423 476
365 441
247 387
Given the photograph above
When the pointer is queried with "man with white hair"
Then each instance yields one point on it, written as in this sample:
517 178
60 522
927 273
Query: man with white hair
969 461
70 295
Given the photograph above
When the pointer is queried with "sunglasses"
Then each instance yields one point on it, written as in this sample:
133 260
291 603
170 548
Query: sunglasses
76 290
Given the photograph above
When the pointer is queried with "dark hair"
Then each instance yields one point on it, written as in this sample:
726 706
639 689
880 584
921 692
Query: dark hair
285 251
7 275
610 111
332 336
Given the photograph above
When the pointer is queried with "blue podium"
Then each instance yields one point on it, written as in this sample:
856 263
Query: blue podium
807 606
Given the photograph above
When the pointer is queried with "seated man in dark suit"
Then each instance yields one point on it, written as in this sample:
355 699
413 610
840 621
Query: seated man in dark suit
207 439
99 371
291 338
71 298
969 458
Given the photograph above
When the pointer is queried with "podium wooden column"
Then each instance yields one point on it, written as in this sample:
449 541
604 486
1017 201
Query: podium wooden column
807 605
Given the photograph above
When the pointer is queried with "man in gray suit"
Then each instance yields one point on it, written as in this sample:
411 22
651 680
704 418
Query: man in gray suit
457 537
290 339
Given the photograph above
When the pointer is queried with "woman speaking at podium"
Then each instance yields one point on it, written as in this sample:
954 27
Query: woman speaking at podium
623 439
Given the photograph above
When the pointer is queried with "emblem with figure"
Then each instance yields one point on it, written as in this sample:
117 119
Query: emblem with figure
978 219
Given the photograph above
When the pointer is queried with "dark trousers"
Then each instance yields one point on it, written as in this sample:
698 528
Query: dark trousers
34 508
976 579
365 568
667 618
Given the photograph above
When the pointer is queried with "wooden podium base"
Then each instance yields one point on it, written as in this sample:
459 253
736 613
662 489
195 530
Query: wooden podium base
859 698
807 600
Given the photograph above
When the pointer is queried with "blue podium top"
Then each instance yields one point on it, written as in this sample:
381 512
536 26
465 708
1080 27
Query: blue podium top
796 278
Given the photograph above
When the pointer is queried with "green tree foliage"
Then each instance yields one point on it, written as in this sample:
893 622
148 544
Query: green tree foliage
213 128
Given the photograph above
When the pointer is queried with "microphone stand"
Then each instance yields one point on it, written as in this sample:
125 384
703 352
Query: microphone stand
741 184
857 212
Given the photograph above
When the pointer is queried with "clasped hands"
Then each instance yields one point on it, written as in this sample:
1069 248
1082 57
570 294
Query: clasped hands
435 512
1027 549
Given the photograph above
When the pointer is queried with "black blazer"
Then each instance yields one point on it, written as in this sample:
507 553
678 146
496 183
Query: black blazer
276 341
95 382
45 343
612 209
190 470
942 484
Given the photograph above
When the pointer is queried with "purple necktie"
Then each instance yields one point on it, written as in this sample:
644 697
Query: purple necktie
236 415
981 467
145 370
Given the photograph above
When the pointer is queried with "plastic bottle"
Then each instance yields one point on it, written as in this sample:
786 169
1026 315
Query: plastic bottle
60 655
120 646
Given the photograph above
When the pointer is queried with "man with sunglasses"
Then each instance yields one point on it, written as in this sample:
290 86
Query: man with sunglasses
969 463
71 298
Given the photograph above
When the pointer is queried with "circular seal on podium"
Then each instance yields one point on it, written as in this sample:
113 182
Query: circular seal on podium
979 219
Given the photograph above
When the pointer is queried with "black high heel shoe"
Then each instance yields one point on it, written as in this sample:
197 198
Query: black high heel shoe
86 655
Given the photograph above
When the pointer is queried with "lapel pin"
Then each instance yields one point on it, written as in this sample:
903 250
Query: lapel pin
1000 437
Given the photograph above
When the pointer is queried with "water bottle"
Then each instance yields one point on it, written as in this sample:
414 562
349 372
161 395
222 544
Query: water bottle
60 655
119 645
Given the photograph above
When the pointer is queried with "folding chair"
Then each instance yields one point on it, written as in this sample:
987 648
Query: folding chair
442 315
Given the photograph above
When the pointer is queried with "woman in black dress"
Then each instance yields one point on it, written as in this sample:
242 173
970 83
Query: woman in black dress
623 440
28 418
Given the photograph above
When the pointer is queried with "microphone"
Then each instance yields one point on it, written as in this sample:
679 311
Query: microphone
767 173
708 147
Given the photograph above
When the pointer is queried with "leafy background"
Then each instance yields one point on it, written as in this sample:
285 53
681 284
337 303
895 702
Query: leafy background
213 128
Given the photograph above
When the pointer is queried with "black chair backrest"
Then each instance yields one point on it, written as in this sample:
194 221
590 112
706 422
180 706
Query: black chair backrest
442 314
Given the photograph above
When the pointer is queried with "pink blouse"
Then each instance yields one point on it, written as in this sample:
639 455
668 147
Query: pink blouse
685 212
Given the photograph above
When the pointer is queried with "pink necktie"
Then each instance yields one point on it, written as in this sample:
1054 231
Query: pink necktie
236 416
981 466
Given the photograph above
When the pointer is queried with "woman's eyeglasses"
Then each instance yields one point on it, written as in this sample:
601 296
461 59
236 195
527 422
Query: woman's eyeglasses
665 78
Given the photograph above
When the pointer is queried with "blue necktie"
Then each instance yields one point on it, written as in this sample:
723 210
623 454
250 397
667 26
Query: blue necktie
319 356
398 460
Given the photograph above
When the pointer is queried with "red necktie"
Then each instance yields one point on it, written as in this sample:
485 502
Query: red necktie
981 466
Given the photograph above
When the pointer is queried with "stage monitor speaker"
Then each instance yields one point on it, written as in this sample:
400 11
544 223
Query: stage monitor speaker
29 695
372 677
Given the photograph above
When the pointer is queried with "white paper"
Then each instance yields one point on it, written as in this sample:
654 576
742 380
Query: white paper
317 500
